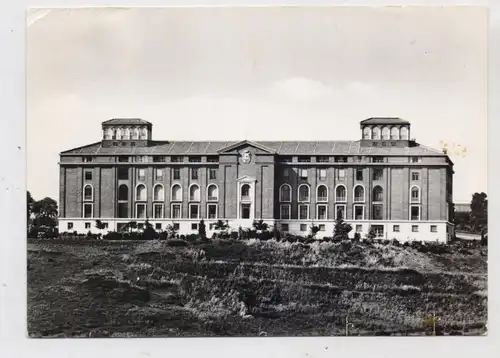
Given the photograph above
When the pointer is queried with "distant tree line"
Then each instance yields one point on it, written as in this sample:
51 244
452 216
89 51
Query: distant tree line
41 216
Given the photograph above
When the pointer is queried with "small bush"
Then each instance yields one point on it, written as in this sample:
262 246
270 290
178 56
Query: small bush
176 243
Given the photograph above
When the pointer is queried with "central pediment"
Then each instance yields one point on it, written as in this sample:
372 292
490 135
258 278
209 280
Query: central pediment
245 144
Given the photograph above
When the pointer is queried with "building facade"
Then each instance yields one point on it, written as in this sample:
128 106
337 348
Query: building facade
385 180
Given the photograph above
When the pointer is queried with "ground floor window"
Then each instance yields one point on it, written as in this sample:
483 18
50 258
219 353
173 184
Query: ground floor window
88 210
140 212
379 230
322 212
284 227
158 211
245 211
70 226
212 211
158 226
414 228
194 211
339 211
176 226
304 212
194 226
395 228
434 228
285 211
303 227
321 227
176 211
87 225
140 226
359 212
415 212
359 228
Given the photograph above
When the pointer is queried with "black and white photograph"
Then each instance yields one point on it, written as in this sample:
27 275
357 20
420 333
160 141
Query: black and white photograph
256 171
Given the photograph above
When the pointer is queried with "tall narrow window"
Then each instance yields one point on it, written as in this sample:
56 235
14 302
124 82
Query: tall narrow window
141 211
359 194
404 133
377 211
194 173
159 174
88 193
141 174
158 211
245 192
194 211
322 194
322 212
378 173
285 212
212 173
359 212
176 193
194 193
140 193
394 133
385 133
322 174
88 210
415 194
123 192
415 212
176 211
286 174
367 133
212 211
340 174
88 175
359 174
122 173
378 193
285 193
159 193
176 173
213 192
376 133
304 193
303 174
303 212
340 211
340 193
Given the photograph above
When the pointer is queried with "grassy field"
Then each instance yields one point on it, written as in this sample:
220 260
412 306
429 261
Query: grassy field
252 288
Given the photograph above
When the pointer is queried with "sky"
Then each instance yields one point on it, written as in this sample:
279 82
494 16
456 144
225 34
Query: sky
269 73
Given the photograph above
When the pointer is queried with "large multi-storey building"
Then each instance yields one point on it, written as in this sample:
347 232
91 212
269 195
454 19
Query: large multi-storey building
385 180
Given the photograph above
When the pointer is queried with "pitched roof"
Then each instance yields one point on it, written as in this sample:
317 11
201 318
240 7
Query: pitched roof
124 121
384 120
281 148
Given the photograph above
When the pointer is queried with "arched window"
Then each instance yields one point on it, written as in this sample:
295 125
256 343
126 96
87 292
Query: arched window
378 193
367 133
322 193
113 133
304 192
376 133
394 133
194 193
385 133
213 192
144 133
159 193
140 192
285 193
340 193
404 133
88 193
135 133
127 133
415 194
123 192
176 192
119 133
359 193
245 191
108 133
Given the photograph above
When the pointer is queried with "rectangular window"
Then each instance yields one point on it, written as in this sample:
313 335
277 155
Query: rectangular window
212 173
159 158
194 226
159 174
195 159
322 212
379 230
245 211
212 159
87 210
358 159
105 225
414 228
340 174
286 174
359 212
176 211
212 211
158 226
140 226
340 159
284 227
303 173
123 210
88 159
176 159
359 174
140 211
434 228
158 211
194 173
415 212
322 174
176 173
123 159
122 173
285 212
395 228
141 174
359 228
176 226
303 227
323 159
321 227
378 173
88 175
194 211
87 225
303 212
377 159
416 159
141 158
286 159
70 226
378 212
339 211
303 159
414 176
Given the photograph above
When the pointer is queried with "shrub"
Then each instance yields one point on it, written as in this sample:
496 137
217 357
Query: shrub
341 229
176 243
182 237
357 237
112 235
193 237
234 235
